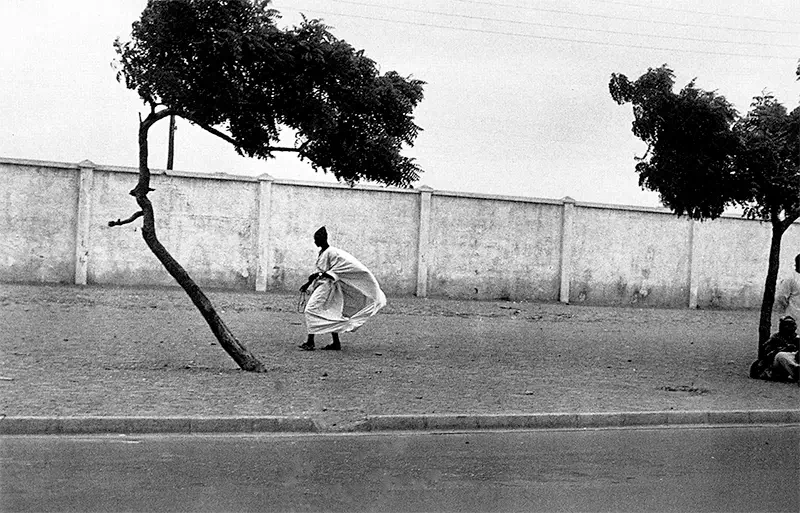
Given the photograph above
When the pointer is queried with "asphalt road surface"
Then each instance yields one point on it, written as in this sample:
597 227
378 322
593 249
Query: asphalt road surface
654 469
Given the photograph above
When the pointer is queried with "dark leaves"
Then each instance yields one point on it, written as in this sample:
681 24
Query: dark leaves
702 157
770 158
225 63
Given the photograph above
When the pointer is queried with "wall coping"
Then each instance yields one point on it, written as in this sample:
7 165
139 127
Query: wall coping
633 208
497 197
337 185
365 187
38 163
132 170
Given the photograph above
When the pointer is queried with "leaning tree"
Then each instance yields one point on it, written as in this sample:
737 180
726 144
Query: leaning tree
703 157
227 67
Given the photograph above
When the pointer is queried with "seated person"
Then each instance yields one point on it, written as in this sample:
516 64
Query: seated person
780 354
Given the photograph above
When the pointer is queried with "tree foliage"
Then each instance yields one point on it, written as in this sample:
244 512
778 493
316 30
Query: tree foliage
690 143
703 157
226 66
768 161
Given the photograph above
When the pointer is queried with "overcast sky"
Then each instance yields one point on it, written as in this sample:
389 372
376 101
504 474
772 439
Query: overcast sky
516 101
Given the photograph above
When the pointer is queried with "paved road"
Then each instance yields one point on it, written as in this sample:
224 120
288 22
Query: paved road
656 469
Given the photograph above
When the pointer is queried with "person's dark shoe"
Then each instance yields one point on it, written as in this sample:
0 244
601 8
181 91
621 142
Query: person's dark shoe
306 347
333 347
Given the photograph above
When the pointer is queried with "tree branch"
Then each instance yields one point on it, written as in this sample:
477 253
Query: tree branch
120 222
282 148
143 185
229 139
790 218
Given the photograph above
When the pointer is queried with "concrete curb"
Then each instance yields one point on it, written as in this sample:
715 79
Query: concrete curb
186 425
382 423
575 420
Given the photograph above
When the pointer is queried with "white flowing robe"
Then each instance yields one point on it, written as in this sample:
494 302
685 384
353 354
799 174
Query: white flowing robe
346 301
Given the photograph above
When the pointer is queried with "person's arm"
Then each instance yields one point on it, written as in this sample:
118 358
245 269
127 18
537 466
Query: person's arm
307 284
313 277
321 261
327 262
774 345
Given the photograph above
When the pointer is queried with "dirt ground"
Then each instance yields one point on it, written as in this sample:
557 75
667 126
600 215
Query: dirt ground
67 350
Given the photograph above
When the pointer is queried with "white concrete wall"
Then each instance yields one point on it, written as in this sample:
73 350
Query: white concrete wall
732 259
256 234
376 225
209 226
629 257
487 248
38 222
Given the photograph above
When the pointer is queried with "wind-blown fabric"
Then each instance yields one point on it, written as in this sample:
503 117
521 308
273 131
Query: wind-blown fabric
346 301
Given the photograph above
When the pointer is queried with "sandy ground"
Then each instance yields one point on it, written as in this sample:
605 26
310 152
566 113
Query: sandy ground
67 350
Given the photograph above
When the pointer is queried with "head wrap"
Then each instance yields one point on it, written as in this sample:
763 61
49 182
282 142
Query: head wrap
322 233
788 322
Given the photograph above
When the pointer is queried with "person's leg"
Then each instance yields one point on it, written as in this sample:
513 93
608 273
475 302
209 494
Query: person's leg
322 311
787 363
309 343
314 305
335 345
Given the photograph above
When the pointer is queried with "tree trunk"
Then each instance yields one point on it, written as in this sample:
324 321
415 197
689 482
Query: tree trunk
238 352
765 323
171 143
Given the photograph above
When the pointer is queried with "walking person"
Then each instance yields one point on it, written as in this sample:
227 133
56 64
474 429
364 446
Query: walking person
344 294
